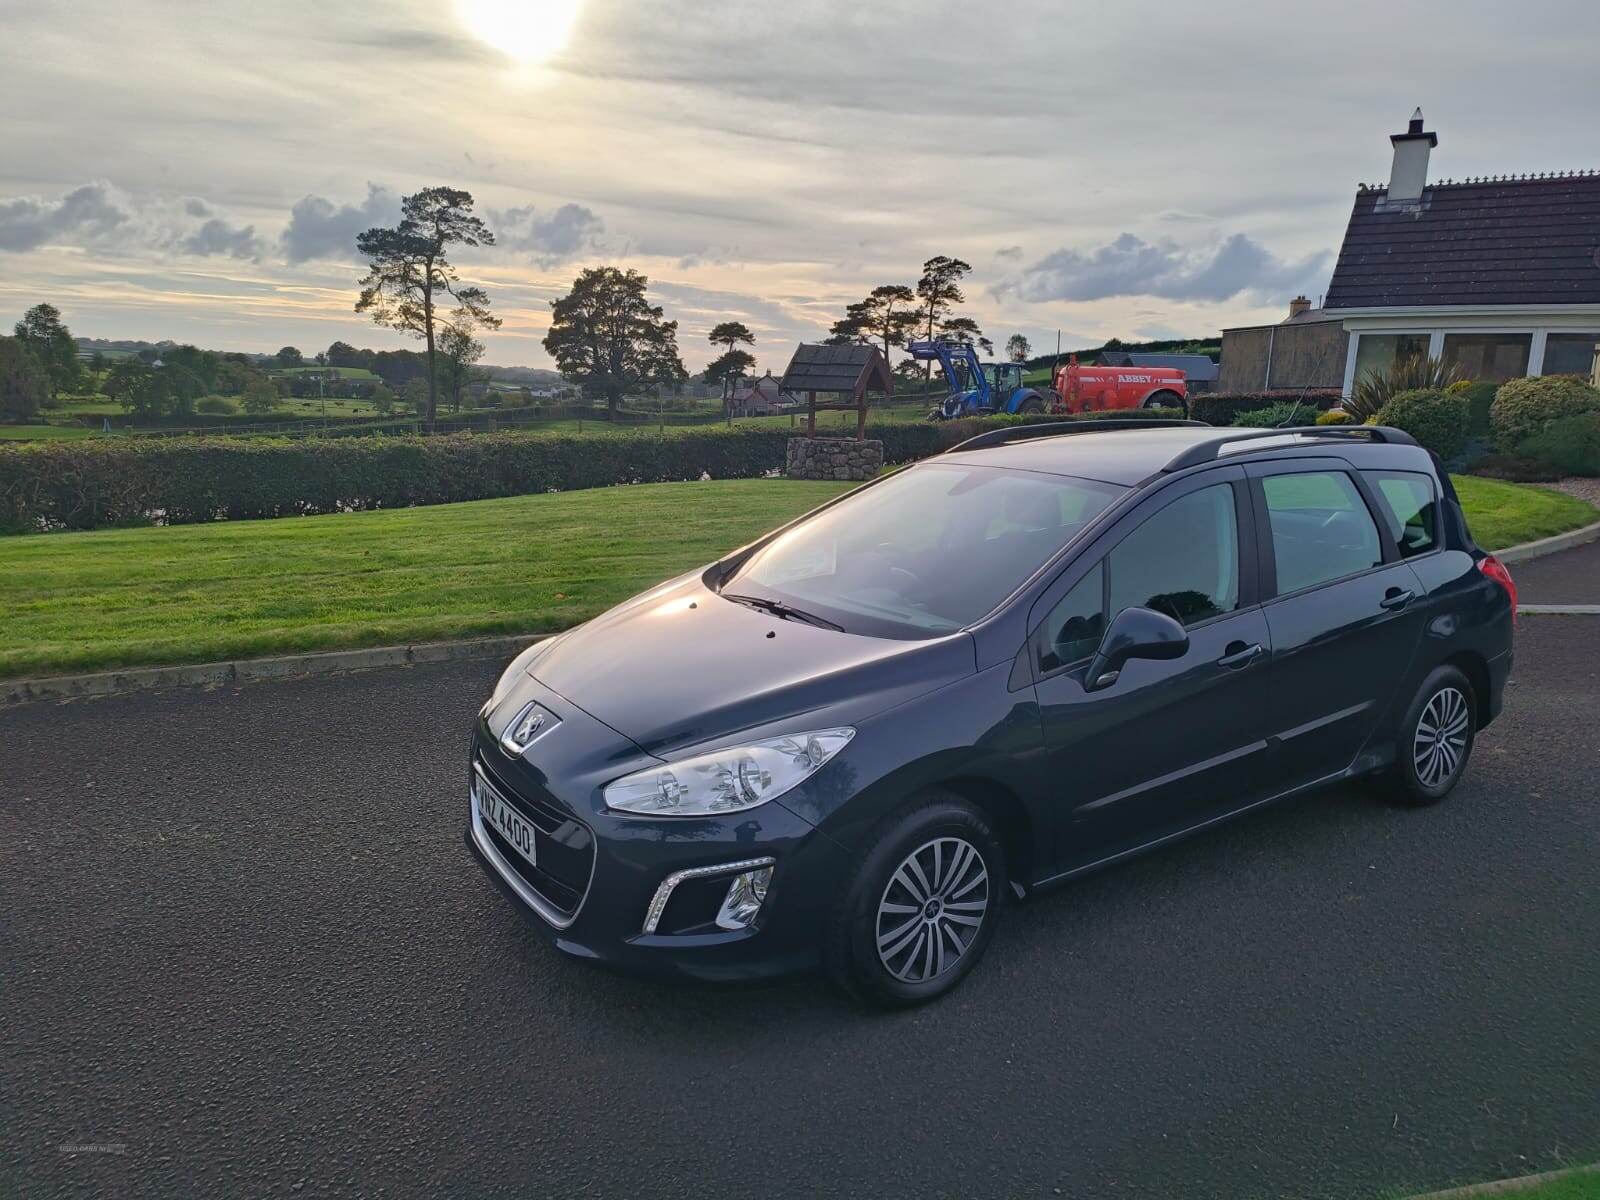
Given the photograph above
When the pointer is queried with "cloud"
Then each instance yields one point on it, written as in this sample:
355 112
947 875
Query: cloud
320 229
216 236
553 238
1131 266
1008 252
85 213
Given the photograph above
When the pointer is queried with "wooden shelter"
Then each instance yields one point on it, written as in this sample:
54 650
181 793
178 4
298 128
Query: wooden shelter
851 371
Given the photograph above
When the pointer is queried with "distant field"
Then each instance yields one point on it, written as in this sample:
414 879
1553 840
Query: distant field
337 372
37 433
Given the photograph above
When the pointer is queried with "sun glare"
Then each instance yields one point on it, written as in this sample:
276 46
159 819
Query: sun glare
527 31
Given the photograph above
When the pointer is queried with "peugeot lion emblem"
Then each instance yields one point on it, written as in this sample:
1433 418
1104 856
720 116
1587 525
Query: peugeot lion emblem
526 726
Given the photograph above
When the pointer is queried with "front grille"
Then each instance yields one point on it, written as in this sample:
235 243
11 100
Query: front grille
563 845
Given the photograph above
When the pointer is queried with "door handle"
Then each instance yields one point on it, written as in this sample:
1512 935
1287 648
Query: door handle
1239 655
1396 598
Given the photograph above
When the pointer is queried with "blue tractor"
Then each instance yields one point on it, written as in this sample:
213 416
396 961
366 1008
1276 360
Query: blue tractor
977 388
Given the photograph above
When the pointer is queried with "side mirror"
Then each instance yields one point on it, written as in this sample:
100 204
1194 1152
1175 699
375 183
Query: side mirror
1134 633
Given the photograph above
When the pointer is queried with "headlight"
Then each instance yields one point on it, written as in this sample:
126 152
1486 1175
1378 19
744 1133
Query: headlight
729 780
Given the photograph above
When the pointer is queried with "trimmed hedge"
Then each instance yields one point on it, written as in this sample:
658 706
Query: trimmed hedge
1438 419
1522 407
1220 408
127 481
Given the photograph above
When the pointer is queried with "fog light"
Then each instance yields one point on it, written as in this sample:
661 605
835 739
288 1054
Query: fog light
743 901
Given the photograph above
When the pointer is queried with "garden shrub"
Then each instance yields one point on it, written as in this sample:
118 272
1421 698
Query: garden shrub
1523 407
1515 468
1570 445
1285 412
1220 408
1414 372
1335 416
1435 417
216 406
1480 395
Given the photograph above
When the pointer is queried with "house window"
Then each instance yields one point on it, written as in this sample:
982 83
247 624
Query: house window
1569 353
1493 356
1380 351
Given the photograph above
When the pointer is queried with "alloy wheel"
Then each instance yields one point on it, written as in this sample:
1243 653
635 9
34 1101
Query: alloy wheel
1440 743
932 909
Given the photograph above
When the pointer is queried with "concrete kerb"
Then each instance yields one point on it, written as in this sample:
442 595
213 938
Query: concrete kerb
328 662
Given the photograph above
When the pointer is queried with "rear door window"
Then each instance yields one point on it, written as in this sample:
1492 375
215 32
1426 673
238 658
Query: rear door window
1410 507
1321 529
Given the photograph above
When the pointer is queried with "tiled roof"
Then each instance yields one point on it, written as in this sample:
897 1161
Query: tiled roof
1530 240
835 369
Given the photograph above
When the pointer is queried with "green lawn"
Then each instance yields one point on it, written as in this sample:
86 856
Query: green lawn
195 593
1507 514
33 433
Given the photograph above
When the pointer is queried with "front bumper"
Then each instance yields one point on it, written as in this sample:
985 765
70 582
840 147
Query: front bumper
628 860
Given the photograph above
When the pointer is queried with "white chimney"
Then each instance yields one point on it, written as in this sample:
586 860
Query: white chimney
1409 175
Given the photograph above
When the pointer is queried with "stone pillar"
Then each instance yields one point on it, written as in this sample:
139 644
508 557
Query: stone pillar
833 458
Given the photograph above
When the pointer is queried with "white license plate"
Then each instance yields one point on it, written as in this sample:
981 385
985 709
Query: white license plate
506 821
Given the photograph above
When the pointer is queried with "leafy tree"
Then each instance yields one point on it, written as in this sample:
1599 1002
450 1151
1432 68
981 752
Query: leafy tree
965 329
343 354
1018 348
609 339
383 400
24 383
418 395
52 344
409 272
850 329
458 351
98 362
733 361
886 317
259 397
938 292
290 357
727 369
140 388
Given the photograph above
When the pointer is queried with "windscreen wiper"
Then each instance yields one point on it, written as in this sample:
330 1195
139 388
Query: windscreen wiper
786 611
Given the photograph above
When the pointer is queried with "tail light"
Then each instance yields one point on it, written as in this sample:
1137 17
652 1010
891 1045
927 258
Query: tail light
1496 570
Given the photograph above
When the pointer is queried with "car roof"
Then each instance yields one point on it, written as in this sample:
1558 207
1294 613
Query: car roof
1128 456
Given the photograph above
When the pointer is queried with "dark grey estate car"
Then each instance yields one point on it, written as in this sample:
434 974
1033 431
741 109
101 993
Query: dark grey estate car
849 743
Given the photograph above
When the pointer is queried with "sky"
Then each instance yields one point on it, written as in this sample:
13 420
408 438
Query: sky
199 170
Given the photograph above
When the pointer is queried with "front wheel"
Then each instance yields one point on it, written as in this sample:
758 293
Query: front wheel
922 905
1032 406
1435 741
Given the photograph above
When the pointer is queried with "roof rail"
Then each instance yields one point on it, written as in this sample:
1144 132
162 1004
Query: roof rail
1025 433
1208 451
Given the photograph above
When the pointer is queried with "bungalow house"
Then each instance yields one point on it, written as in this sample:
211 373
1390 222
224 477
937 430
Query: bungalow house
1499 276
760 397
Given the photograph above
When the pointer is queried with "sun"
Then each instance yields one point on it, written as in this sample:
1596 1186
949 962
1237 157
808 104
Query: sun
528 31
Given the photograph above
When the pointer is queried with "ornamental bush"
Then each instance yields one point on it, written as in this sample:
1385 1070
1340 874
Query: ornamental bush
1285 412
1435 417
1335 416
1523 407
1571 445
216 406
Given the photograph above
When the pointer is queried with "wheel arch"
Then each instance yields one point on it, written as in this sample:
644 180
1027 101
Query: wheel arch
1476 668
1011 820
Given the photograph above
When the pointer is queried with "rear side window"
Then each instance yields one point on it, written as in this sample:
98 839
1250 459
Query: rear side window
1321 529
1410 507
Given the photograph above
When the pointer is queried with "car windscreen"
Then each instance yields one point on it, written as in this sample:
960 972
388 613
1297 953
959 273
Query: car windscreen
923 553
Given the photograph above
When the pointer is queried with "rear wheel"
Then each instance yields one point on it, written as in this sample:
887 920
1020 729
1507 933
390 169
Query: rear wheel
922 905
1435 741
1164 400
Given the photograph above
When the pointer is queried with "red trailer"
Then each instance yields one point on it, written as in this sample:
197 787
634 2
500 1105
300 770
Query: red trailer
1102 389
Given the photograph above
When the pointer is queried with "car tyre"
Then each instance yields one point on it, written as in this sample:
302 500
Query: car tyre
903 934
1165 400
1435 741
